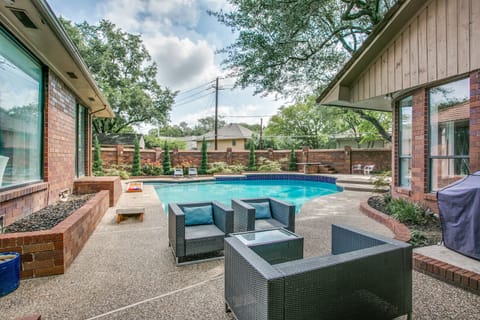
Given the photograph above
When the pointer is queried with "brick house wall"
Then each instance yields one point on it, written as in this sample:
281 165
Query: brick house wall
419 189
58 155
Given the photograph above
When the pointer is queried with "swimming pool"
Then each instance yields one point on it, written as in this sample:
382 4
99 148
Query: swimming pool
287 189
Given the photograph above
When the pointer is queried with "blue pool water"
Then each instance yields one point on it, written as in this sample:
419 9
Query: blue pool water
293 191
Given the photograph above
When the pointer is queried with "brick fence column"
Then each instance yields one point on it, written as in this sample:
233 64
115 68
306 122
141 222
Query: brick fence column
228 156
475 121
348 159
119 154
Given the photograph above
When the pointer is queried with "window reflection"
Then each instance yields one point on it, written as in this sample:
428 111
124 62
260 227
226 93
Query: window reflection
20 115
449 133
405 141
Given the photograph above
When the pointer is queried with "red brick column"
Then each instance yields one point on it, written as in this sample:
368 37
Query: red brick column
419 182
475 121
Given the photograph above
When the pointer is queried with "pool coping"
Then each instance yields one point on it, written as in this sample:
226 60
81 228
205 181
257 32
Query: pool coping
245 176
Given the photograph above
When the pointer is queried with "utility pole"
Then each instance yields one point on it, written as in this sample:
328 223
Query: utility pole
261 131
216 114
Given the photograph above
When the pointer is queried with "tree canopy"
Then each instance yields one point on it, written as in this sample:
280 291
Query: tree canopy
304 124
295 46
124 71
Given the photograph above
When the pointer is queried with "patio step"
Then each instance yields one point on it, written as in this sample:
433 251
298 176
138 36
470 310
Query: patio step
360 187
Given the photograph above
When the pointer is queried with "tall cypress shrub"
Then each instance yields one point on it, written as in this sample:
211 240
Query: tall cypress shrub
204 164
97 159
251 161
292 165
136 171
167 166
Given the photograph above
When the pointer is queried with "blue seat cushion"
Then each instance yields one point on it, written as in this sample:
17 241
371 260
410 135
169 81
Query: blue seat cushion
262 210
198 215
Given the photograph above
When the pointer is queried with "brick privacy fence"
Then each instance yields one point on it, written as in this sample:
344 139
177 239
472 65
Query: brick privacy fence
339 159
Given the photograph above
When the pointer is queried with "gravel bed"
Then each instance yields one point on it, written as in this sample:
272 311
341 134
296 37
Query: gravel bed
50 216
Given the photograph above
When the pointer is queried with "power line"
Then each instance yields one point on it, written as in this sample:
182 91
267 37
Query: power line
191 100
192 95
263 116
198 87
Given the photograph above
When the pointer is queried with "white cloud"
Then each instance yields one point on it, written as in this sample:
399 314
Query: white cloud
182 63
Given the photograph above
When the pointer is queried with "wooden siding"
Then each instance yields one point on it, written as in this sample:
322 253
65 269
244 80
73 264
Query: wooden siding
441 41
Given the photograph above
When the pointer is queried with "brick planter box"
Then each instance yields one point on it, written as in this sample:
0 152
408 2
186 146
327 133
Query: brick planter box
50 252
95 184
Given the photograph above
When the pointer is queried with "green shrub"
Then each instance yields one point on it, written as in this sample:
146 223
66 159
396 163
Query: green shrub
167 166
382 181
136 158
266 165
251 160
408 212
292 165
222 167
418 239
117 172
97 167
204 164
152 169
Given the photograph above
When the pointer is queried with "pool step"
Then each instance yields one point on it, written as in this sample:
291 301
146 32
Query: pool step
360 183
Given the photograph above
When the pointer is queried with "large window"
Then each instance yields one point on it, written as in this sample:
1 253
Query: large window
20 115
449 133
81 140
405 141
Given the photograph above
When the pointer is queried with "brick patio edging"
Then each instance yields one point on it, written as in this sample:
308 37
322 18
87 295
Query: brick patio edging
400 231
440 270
445 272
50 252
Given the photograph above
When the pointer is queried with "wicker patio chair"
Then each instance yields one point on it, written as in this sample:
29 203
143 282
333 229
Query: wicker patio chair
189 237
246 218
365 277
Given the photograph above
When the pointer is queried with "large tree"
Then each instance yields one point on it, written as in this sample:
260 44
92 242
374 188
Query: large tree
304 124
124 71
295 46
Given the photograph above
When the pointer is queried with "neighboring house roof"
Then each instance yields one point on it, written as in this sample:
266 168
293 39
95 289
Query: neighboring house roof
40 31
112 139
338 92
230 131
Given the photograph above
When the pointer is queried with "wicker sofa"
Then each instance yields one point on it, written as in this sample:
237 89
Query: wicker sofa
282 215
197 239
365 277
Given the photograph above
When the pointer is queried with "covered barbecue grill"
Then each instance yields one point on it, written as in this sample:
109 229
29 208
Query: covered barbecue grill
459 205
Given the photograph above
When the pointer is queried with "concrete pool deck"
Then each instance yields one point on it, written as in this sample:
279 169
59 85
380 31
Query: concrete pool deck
127 270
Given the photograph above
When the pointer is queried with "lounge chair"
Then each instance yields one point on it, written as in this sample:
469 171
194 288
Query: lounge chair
262 213
368 169
365 277
192 172
197 228
178 172
357 168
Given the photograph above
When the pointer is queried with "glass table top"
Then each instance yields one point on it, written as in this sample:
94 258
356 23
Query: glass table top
265 236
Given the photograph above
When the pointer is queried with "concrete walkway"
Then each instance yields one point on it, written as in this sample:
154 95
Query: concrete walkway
127 271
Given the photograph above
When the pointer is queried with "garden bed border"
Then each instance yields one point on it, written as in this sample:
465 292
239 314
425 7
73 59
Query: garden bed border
50 252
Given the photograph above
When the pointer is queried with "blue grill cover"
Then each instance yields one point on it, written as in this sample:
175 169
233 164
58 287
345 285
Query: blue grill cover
459 206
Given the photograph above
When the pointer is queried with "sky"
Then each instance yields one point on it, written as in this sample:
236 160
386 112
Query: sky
182 39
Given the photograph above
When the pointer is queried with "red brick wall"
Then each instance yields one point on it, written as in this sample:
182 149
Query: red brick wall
87 185
419 190
340 160
59 138
50 252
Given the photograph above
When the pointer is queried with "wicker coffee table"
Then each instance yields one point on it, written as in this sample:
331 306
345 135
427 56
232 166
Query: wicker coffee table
274 245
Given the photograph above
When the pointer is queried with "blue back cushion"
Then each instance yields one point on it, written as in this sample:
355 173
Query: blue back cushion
262 210
198 215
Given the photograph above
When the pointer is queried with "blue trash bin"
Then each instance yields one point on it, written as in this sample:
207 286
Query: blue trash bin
9 273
